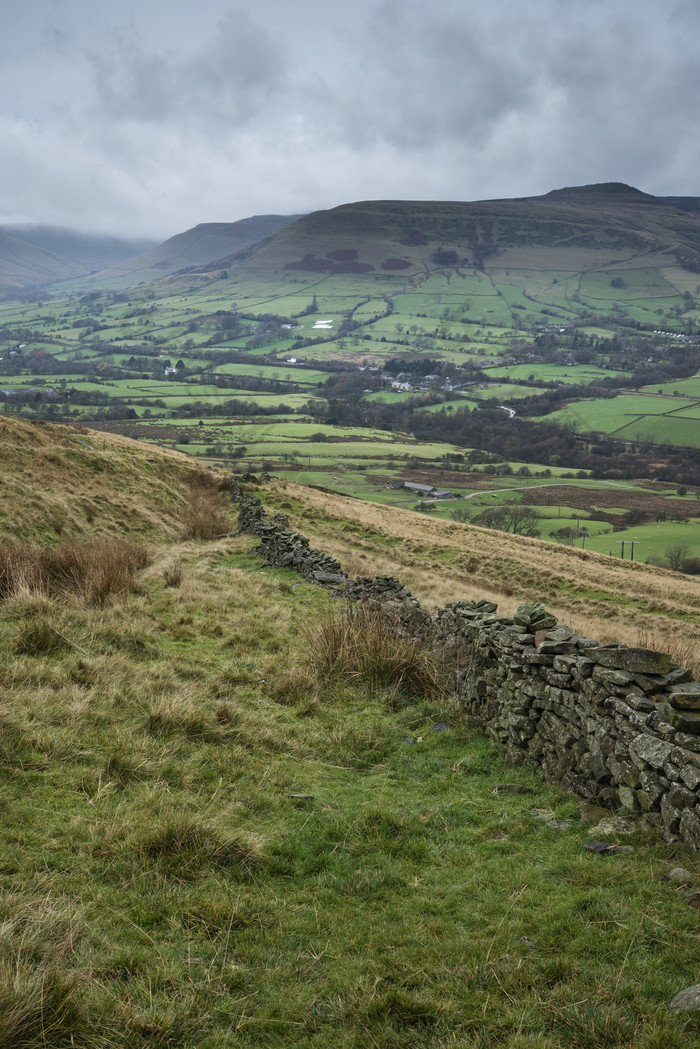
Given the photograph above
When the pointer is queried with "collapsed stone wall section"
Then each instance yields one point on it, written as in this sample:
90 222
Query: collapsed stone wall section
282 547
390 595
619 726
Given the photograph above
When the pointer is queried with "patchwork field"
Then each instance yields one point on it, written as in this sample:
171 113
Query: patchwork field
298 371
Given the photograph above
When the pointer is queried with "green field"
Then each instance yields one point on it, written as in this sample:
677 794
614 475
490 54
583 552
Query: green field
635 417
248 325
581 374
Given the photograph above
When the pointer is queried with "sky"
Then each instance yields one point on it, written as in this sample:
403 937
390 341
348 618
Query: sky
147 117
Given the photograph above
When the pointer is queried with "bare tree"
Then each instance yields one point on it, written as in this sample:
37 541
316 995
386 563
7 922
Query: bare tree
676 555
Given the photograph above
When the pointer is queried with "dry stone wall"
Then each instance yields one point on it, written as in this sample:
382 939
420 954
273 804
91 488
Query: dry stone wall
281 546
616 725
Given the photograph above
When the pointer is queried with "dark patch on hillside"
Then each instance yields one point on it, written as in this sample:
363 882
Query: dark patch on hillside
607 217
415 239
396 264
327 265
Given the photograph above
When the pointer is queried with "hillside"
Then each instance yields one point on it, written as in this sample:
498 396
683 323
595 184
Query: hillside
209 242
606 223
23 264
443 561
66 482
216 830
38 255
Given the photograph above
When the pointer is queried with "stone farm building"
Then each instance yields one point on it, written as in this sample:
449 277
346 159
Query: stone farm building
428 491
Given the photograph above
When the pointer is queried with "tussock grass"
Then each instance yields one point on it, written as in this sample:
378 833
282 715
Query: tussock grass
172 574
93 570
38 636
206 515
183 841
123 767
39 1004
179 715
365 646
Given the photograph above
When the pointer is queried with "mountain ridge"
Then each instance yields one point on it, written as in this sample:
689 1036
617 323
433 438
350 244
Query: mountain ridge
206 244
393 235
384 236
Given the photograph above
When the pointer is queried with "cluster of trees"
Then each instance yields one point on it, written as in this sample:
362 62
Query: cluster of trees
196 409
510 517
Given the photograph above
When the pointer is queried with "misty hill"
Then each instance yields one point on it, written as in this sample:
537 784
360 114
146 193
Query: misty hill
567 228
209 242
37 255
684 203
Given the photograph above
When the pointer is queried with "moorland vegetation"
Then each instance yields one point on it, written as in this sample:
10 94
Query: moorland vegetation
232 815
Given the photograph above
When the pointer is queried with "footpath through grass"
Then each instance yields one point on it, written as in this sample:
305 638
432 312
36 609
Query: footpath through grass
211 837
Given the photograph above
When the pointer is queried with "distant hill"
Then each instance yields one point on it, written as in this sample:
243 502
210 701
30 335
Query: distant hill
207 243
567 228
684 203
33 255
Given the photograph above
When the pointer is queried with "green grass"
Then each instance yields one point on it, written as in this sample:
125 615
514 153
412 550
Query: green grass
213 835
680 387
582 374
635 416
653 540
458 315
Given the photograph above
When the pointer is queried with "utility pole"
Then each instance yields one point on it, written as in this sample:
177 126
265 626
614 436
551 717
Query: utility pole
622 544
633 543
584 536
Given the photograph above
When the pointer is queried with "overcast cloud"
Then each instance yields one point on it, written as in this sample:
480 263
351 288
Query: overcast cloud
145 118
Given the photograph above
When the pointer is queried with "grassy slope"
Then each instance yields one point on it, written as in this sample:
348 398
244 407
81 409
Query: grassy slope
69 482
444 561
161 885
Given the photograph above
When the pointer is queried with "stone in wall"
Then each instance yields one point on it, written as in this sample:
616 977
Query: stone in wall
282 547
618 726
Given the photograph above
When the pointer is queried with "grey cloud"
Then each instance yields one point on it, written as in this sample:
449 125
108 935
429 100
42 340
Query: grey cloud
429 74
229 80
156 114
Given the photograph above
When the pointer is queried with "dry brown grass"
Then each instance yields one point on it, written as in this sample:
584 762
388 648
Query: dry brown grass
69 482
442 561
206 515
38 1005
94 570
365 645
